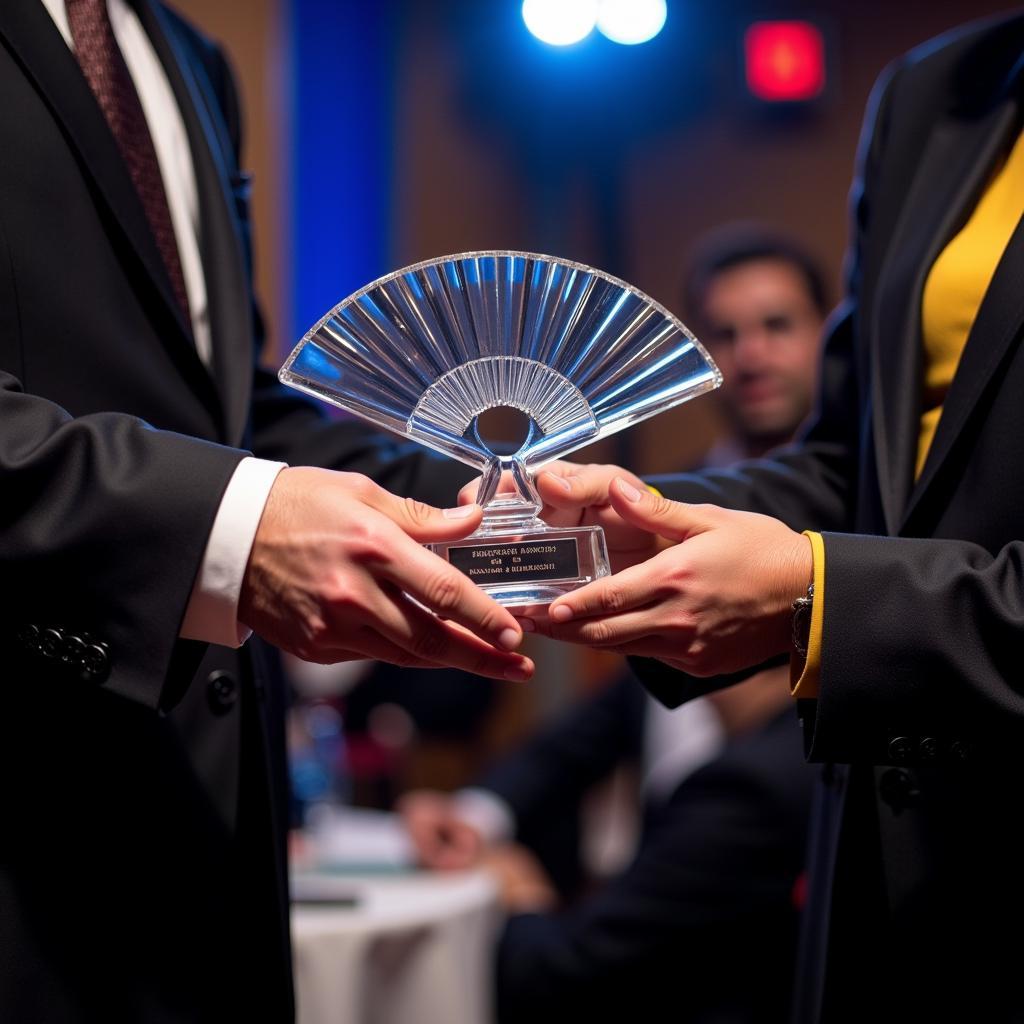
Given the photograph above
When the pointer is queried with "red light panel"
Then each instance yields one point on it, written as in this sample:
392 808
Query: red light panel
785 61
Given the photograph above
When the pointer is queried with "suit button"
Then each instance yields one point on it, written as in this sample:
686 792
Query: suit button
898 789
29 636
94 663
900 749
51 643
928 748
221 691
74 649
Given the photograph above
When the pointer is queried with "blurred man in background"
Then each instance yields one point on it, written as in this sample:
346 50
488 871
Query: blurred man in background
714 885
757 302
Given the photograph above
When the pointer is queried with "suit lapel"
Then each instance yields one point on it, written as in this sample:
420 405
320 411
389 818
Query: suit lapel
226 273
39 47
996 328
951 174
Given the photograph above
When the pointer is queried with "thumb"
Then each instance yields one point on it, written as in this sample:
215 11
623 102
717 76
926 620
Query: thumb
656 514
468 492
425 522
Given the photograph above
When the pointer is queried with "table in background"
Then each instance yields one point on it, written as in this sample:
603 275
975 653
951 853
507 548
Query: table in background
414 948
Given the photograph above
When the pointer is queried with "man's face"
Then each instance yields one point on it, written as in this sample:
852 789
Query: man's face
761 326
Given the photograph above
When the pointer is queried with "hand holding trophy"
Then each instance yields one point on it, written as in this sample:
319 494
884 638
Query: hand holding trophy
425 351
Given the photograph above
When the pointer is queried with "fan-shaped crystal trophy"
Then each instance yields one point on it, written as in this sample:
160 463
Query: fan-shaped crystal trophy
425 351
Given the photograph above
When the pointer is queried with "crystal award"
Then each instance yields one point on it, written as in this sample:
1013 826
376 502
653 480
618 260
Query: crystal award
425 351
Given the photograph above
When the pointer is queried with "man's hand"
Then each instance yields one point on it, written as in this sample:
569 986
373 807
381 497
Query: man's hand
718 600
335 562
443 841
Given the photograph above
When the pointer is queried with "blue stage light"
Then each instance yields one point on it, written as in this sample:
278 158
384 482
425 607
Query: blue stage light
560 22
631 21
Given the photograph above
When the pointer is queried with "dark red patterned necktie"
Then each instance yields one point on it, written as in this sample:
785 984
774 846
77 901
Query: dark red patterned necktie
111 82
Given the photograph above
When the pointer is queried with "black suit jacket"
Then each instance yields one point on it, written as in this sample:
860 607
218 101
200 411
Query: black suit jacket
917 852
141 852
702 925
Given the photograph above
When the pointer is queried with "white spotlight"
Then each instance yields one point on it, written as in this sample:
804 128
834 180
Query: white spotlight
631 21
560 22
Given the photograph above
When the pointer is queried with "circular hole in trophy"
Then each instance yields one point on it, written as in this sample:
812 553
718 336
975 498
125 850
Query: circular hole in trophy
502 430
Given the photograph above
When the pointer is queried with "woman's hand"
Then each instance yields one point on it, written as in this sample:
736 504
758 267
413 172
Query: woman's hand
717 600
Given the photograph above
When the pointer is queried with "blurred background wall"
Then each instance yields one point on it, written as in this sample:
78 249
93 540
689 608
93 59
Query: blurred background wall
384 132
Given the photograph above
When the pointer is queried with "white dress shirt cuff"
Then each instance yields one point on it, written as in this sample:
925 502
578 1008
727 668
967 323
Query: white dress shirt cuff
212 612
491 816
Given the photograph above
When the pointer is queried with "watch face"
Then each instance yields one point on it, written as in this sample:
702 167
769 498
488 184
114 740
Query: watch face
803 618
802 623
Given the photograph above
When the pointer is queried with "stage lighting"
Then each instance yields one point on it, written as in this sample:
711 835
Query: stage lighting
631 21
785 61
560 22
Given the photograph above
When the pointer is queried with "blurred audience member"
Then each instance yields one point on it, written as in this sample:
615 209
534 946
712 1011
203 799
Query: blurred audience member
758 303
725 788
399 729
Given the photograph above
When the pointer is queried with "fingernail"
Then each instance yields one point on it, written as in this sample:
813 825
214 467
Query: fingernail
460 511
509 638
563 613
561 481
518 673
526 625
628 491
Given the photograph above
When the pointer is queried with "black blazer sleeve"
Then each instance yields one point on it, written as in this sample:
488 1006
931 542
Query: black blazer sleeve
77 493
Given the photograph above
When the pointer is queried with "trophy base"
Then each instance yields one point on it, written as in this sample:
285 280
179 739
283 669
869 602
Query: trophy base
526 569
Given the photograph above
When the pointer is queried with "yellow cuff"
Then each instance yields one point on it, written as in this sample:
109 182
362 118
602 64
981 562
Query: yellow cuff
804 674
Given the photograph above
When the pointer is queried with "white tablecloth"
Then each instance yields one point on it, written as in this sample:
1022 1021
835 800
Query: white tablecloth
414 949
